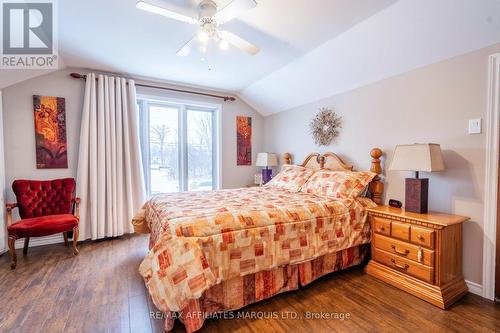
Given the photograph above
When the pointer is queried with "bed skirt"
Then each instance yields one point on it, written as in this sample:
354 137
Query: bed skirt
238 292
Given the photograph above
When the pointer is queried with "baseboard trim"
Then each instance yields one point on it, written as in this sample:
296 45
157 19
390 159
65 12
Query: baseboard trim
474 288
39 241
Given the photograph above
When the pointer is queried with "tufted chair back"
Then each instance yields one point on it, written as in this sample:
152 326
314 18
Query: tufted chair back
37 198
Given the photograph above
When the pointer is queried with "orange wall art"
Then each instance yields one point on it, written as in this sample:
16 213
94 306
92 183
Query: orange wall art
243 140
50 132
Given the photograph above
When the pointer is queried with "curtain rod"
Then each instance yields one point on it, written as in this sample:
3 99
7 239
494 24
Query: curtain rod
225 98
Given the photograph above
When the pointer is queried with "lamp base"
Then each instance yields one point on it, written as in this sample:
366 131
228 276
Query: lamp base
417 195
266 175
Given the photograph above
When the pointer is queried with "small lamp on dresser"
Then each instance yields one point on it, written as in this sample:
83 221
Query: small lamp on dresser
417 157
266 160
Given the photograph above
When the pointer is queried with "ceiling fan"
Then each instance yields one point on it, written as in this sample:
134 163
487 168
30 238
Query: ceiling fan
210 19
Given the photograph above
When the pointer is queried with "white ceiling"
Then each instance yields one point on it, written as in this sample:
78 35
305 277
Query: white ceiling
113 35
310 48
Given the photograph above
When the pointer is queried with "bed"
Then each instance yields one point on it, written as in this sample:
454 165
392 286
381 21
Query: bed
217 251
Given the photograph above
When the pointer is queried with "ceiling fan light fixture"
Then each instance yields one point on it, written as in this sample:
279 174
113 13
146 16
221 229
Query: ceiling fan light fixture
203 36
223 44
210 18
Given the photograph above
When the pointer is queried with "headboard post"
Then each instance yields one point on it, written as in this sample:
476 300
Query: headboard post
322 161
376 186
287 158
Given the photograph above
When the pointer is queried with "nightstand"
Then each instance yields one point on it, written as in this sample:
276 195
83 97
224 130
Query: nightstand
418 253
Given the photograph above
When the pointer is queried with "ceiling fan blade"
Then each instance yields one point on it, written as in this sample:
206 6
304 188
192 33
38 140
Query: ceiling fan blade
185 50
234 9
164 12
239 42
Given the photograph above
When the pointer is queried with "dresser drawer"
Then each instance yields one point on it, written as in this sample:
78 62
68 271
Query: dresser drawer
400 231
382 226
404 250
422 236
406 266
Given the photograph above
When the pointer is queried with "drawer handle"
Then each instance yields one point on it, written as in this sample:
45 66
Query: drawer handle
421 238
403 267
405 253
380 229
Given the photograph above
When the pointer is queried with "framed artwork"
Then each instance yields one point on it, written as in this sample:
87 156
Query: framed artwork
50 132
243 140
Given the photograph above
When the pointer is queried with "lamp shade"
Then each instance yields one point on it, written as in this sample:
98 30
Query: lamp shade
425 157
266 160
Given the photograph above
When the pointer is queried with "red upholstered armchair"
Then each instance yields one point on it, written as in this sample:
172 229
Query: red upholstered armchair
46 208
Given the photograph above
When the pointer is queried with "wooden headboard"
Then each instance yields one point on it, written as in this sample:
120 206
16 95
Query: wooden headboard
331 161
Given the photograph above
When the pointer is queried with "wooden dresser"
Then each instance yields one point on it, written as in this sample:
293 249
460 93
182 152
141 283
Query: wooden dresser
418 253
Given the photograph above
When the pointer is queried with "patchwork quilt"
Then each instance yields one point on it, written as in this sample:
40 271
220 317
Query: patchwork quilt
200 239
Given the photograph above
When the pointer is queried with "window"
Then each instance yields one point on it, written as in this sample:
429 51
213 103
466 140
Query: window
179 144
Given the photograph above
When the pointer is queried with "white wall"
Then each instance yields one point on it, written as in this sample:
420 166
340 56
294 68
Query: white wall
20 159
430 104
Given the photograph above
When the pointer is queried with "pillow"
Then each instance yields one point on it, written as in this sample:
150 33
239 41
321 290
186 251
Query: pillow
338 184
291 178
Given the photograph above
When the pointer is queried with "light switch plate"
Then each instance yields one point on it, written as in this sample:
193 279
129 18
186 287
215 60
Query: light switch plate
475 126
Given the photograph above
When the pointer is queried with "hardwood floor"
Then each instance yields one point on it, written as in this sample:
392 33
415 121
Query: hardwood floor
101 291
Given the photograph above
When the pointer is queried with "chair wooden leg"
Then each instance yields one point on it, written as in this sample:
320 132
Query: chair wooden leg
12 250
75 240
26 244
65 235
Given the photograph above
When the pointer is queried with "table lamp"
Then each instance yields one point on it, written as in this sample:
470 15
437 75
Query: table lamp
266 160
417 157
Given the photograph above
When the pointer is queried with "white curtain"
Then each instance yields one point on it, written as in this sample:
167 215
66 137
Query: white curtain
110 179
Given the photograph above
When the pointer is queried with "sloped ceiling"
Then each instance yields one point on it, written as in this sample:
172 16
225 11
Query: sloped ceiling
310 49
12 76
114 36
402 37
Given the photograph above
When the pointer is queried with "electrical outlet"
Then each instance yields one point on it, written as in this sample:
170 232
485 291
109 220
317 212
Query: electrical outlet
475 126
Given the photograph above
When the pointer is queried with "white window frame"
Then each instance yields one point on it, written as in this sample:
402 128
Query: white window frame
144 101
